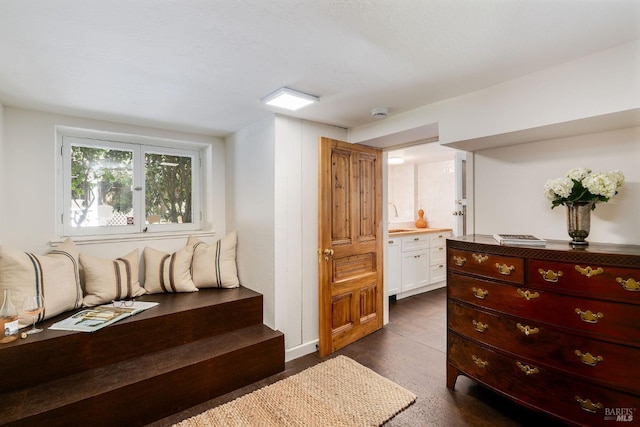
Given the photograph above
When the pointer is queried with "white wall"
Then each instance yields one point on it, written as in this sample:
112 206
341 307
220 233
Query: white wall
604 83
251 188
274 192
436 189
509 195
28 182
3 169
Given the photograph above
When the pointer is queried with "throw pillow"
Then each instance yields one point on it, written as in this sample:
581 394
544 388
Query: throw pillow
214 266
166 272
107 280
55 276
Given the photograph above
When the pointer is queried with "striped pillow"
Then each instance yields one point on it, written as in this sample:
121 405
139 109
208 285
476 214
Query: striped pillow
214 266
107 280
54 276
166 272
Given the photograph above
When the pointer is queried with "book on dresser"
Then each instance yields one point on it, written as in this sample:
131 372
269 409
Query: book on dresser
519 239
553 328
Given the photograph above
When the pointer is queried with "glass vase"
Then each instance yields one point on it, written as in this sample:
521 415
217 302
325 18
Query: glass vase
579 221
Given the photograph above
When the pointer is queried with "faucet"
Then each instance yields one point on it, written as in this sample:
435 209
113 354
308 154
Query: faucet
395 208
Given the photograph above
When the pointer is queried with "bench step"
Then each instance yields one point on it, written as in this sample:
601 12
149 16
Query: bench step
142 389
177 320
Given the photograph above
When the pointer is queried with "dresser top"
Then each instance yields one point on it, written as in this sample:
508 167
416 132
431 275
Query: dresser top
554 249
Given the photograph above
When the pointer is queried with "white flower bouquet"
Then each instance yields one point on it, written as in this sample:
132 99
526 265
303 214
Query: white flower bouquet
580 184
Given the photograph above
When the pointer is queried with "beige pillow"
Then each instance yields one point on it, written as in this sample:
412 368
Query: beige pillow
108 280
54 275
168 272
214 266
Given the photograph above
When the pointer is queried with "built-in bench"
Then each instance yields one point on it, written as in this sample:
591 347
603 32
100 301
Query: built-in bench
190 348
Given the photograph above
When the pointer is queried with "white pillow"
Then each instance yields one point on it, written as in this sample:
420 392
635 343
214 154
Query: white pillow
108 280
55 276
166 272
214 266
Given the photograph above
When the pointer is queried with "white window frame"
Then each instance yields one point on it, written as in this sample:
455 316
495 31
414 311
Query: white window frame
140 145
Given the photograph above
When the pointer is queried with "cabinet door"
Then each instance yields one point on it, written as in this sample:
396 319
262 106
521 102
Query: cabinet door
415 269
394 266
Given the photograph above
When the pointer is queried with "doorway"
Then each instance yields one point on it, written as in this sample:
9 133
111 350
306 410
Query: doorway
430 178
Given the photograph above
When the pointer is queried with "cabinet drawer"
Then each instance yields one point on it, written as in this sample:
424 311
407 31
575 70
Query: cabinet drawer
609 320
438 273
439 239
589 279
581 356
411 243
438 255
573 400
509 269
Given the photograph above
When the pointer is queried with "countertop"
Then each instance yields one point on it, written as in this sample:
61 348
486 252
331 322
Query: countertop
410 231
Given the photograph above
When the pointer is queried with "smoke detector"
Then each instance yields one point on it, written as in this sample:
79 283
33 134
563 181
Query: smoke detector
380 113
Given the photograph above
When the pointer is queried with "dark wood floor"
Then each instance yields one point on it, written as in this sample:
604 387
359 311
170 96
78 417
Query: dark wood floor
411 351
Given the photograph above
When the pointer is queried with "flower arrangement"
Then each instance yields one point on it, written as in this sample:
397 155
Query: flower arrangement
580 184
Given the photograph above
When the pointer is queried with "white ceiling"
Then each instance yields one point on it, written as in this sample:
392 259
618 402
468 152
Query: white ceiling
202 65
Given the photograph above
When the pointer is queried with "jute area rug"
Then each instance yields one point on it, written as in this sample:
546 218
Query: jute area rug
338 392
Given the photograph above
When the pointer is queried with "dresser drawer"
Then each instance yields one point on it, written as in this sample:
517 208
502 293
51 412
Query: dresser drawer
581 356
600 281
575 401
608 320
506 268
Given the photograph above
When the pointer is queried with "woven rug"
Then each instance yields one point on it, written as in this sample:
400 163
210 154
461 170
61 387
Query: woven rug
338 392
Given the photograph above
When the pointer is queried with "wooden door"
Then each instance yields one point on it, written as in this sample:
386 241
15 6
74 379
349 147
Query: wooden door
350 243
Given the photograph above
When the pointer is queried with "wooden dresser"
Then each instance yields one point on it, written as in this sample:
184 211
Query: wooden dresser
553 328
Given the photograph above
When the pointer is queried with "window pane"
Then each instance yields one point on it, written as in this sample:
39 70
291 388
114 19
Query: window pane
168 189
101 181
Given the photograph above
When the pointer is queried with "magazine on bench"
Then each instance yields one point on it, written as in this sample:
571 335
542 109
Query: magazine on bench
94 318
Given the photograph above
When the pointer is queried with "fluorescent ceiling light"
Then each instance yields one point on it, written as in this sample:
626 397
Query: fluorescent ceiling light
395 160
289 99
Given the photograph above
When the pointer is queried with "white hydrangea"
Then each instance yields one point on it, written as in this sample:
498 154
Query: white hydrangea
559 187
578 174
604 184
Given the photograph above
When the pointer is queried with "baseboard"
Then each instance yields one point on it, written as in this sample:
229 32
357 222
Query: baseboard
421 290
301 350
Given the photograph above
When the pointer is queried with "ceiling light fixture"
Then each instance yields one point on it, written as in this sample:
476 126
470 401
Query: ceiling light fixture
395 160
289 99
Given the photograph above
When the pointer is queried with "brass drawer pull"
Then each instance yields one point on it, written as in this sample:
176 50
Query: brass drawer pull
480 293
479 326
588 316
528 370
504 269
526 329
588 271
550 275
480 258
588 358
479 362
629 284
588 405
459 260
528 295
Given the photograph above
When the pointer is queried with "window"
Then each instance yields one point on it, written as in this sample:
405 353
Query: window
116 187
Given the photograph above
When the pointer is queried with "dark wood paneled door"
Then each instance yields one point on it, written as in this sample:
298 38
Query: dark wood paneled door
350 243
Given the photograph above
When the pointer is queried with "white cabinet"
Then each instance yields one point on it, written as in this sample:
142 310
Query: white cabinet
438 256
394 264
415 262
